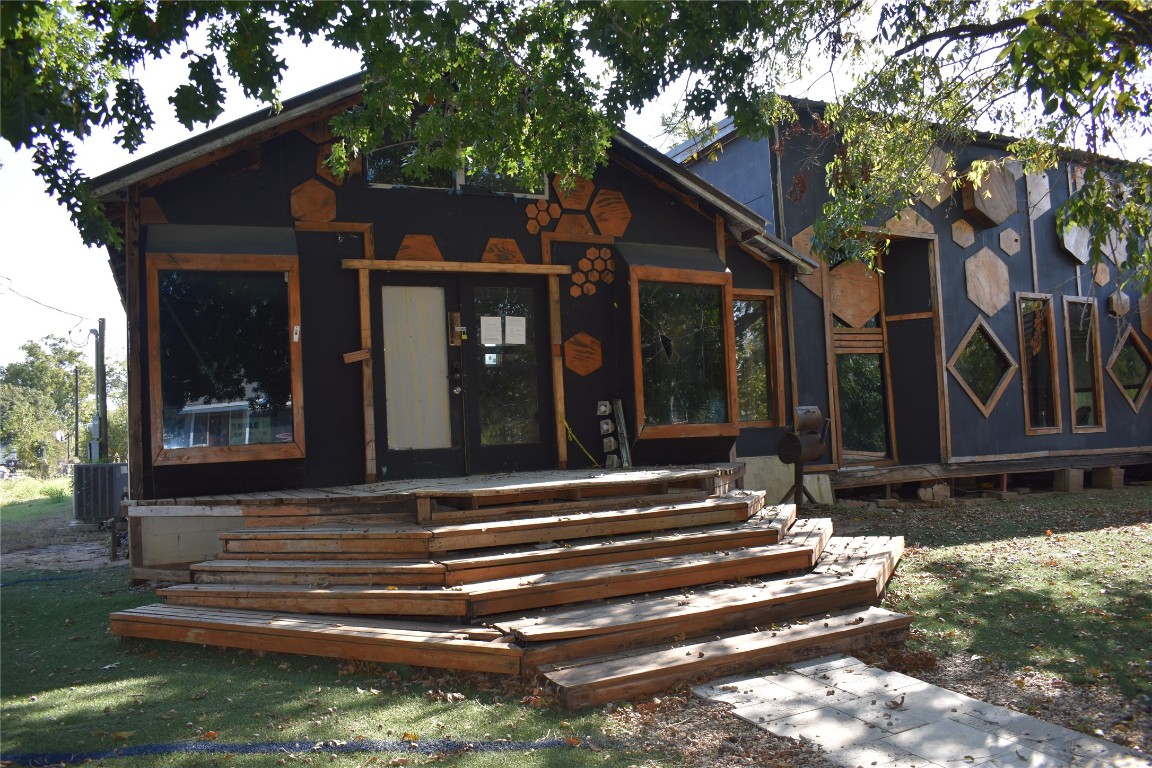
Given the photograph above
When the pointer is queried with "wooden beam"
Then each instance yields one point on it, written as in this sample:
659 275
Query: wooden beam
136 433
382 265
560 416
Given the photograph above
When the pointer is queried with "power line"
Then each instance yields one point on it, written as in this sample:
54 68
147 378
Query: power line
10 289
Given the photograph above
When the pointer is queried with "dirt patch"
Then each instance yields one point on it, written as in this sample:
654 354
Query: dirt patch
72 556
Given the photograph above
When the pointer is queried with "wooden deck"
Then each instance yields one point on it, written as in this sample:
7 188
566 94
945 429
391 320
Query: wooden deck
610 586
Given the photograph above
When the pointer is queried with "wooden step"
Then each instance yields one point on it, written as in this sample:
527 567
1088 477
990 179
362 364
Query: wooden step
737 506
763 528
393 642
633 578
564 633
446 515
321 573
340 599
399 541
600 680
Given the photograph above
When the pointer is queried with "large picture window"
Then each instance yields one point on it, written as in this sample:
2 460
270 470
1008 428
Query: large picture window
1038 363
683 334
224 358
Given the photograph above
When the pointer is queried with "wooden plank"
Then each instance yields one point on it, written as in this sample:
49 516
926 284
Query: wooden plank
369 601
719 509
320 573
636 577
637 674
470 570
449 515
477 267
359 642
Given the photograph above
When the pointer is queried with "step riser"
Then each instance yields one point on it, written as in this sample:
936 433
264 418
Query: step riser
343 606
850 596
586 697
312 579
492 514
305 520
322 549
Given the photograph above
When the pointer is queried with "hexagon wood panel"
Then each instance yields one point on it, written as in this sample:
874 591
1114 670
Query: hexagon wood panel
962 233
502 250
1039 194
993 200
1075 239
802 241
941 163
540 214
313 201
1101 274
419 248
855 293
582 354
1146 314
1010 241
574 224
1119 304
578 196
908 222
987 280
611 213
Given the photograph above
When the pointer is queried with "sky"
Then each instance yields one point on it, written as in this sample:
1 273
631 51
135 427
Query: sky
50 282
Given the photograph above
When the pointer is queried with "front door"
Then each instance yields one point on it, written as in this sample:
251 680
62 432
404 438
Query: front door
466 376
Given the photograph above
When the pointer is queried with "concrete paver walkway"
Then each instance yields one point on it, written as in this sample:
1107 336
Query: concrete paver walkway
866 717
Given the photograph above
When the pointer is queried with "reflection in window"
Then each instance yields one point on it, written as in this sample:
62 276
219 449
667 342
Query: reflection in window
507 380
982 366
225 363
1038 363
682 354
391 166
753 366
1131 369
863 408
484 180
1084 363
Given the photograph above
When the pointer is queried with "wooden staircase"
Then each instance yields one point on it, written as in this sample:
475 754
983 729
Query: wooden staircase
608 591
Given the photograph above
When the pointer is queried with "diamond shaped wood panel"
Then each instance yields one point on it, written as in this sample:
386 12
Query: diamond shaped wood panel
855 293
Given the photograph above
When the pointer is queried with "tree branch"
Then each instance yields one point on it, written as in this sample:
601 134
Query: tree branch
963 32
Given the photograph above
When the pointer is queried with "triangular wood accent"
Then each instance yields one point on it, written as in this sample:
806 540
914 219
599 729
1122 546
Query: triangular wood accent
609 587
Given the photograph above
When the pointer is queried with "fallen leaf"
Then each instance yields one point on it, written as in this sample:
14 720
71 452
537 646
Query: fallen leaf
210 735
122 735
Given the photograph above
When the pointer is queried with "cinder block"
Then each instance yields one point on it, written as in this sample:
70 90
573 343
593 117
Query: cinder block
1069 480
1108 478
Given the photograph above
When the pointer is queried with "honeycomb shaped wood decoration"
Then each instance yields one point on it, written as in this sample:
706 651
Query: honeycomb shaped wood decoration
418 248
611 212
1010 241
540 214
1075 240
313 201
962 233
502 250
1101 274
987 280
993 200
941 163
1039 194
582 354
802 241
855 293
574 224
1119 304
1146 314
597 266
576 198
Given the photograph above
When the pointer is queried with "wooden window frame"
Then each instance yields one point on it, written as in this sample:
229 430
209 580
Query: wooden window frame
1053 365
723 280
289 265
1005 380
1138 403
1097 373
775 365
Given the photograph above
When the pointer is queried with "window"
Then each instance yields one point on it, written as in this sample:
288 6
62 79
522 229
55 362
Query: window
1131 369
1038 363
224 358
388 167
1084 369
863 405
754 322
682 325
982 366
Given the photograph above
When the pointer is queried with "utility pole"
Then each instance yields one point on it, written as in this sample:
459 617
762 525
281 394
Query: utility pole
76 409
101 393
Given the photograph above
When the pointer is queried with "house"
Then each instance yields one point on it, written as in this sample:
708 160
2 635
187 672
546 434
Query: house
984 345
290 329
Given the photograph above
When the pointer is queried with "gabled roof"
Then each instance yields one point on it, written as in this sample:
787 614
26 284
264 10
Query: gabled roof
746 226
